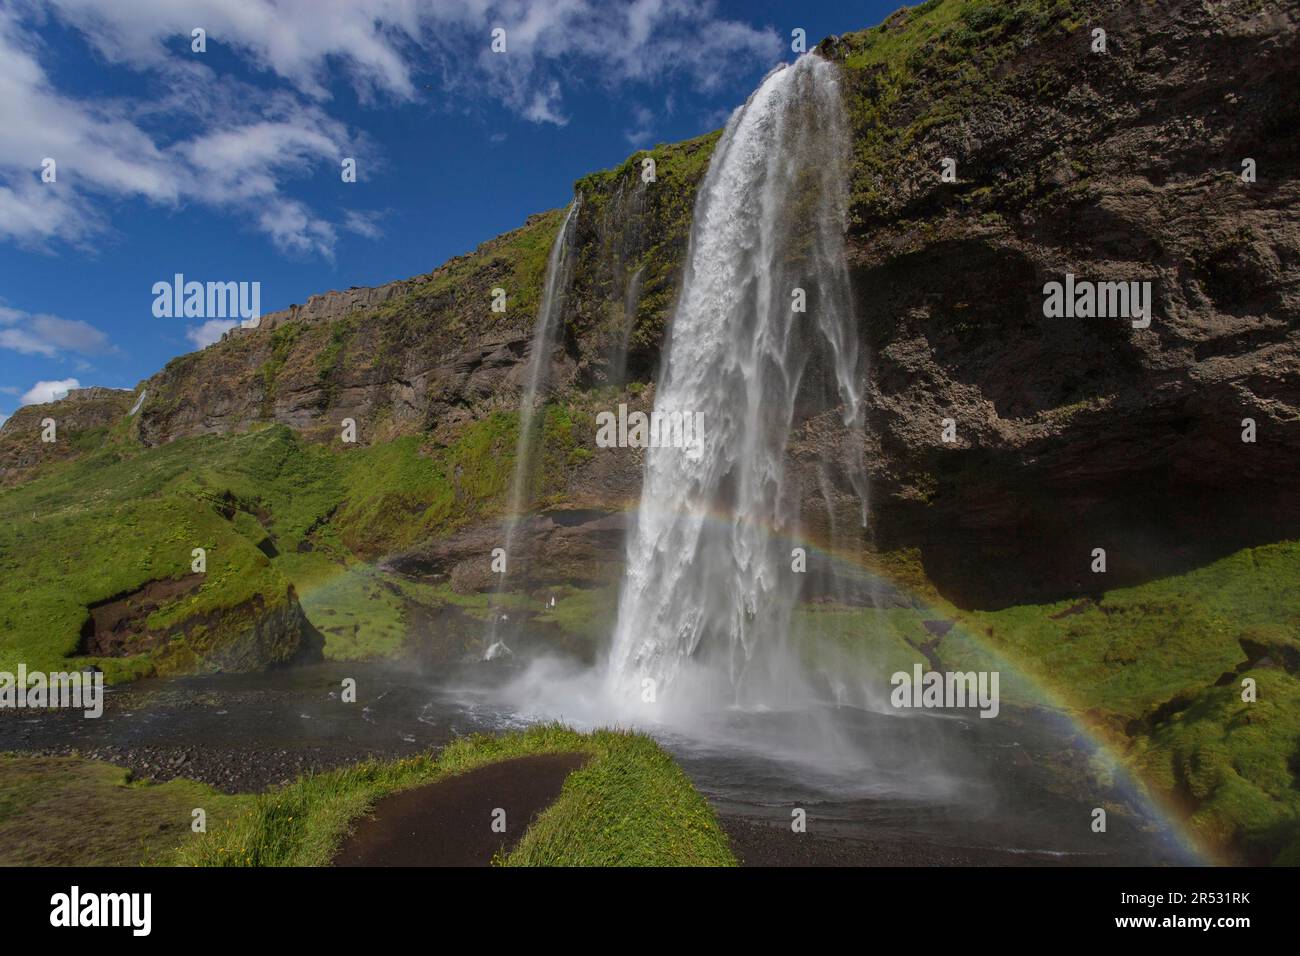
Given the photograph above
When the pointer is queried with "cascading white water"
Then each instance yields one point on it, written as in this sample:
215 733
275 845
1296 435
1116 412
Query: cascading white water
558 269
706 603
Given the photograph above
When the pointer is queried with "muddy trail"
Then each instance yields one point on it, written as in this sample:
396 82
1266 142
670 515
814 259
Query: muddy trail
451 822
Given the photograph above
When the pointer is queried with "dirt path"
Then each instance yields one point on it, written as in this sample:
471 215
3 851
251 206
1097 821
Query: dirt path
449 823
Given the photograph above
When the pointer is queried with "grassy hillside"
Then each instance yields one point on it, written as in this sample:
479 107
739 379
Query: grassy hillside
273 511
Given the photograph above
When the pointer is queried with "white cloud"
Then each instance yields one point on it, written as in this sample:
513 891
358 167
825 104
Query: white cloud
382 44
210 331
254 140
31 213
291 38
43 392
362 223
544 106
293 228
49 335
642 129
249 143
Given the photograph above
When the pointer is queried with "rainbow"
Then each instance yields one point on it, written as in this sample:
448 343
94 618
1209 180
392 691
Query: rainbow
1029 687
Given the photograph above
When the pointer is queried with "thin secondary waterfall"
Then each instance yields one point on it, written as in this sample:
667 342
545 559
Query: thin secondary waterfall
706 604
631 301
558 269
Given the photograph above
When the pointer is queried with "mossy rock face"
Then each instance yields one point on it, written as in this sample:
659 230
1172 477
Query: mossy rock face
86 420
631 235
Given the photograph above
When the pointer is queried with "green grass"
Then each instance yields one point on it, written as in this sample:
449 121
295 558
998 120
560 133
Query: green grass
630 806
106 524
363 611
65 811
411 490
882 641
360 609
1232 765
1140 646
1140 665
405 491
588 614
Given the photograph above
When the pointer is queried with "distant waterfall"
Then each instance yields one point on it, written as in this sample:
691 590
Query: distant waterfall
709 590
558 271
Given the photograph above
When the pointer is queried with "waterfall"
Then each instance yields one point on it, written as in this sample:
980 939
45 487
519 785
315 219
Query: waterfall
709 590
558 269
631 301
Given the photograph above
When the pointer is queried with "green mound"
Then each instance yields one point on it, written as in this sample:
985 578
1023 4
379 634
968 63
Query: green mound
629 806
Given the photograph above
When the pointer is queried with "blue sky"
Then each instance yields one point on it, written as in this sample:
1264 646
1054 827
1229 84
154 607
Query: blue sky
224 165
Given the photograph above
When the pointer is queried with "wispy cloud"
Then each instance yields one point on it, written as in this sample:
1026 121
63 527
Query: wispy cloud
382 45
238 148
237 156
362 223
49 335
642 129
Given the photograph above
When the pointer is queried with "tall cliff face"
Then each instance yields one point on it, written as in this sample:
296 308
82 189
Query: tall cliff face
410 356
430 353
1117 166
85 416
1113 166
